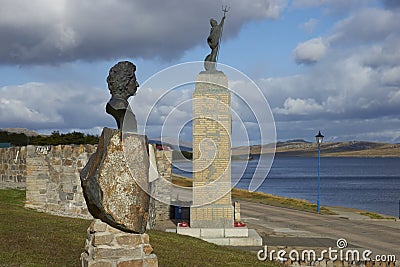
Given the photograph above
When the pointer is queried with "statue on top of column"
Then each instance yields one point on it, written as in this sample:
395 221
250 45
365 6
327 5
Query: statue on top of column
213 41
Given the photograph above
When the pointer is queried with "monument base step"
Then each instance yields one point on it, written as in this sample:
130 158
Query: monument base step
224 237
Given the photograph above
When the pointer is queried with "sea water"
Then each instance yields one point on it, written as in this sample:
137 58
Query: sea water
371 184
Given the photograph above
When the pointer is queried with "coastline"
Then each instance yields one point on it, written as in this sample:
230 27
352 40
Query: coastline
292 203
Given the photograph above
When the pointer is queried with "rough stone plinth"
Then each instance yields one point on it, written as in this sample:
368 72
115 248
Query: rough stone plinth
108 246
115 181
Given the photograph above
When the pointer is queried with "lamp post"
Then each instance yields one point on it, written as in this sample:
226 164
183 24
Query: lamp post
319 137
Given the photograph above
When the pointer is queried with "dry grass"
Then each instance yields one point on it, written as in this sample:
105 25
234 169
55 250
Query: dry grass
373 215
182 181
268 199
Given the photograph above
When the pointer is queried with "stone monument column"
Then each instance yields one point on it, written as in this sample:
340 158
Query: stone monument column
212 122
211 213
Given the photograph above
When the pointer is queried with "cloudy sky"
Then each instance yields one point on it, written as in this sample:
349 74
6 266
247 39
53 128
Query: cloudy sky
329 65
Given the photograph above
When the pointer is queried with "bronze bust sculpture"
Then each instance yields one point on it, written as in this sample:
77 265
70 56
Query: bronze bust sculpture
98 178
122 85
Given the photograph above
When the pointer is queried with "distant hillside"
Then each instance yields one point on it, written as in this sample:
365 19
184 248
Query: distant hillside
295 147
300 147
24 131
340 149
328 149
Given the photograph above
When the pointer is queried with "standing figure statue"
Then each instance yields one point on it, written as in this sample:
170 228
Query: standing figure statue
122 85
213 41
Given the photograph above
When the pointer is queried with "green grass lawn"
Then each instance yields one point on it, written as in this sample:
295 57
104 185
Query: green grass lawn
31 238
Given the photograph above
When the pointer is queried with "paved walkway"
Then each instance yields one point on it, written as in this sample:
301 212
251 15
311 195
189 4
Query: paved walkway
291 228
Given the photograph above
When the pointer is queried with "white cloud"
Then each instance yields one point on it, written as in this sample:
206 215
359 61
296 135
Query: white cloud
310 51
391 76
46 32
383 54
367 25
351 88
15 110
299 107
332 6
310 25
309 3
58 106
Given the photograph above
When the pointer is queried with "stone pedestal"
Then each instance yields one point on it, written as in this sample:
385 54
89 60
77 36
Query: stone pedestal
107 246
238 236
212 122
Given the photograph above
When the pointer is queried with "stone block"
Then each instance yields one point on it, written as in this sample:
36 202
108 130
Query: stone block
150 261
147 249
67 162
237 232
97 226
212 233
128 239
146 238
218 241
100 264
102 239
107 252
86 261
254 239
195 232
130 263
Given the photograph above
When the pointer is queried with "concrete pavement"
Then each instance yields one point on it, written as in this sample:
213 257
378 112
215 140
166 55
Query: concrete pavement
290 228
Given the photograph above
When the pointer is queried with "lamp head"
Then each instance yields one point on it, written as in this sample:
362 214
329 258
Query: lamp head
319 137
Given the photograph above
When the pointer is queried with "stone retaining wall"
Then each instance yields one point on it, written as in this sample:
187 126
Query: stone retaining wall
51 177
52 182
13 167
